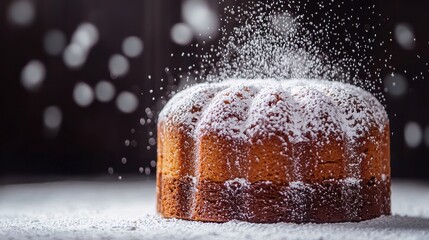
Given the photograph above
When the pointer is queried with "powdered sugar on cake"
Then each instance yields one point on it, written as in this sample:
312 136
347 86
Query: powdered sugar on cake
244 108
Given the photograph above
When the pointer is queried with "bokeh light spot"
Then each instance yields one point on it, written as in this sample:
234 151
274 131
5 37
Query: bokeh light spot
74 56
132 46
413 134
32 75
152 141
404 35
202 19
104 91
118 65
86 35
181 34
83 94
21 12
52 117
84 38
396 84
127 102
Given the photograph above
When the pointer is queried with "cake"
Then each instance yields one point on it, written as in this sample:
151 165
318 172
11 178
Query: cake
270 150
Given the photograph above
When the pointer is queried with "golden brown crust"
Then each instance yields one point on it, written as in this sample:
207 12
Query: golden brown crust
266 202
266 196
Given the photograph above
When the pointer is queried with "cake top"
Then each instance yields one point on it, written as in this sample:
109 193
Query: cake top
300 109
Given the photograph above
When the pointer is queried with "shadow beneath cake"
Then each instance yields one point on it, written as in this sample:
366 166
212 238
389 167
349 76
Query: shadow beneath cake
394 222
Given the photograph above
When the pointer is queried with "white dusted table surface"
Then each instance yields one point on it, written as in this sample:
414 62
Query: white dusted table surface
126 210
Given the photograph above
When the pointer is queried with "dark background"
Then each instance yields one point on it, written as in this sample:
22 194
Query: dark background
92 139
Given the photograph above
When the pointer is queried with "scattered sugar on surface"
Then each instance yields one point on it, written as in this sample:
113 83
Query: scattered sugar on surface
126 210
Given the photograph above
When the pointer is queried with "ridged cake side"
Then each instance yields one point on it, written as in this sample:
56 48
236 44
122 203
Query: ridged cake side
269 151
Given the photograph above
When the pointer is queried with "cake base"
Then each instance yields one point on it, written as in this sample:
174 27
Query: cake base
266 202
